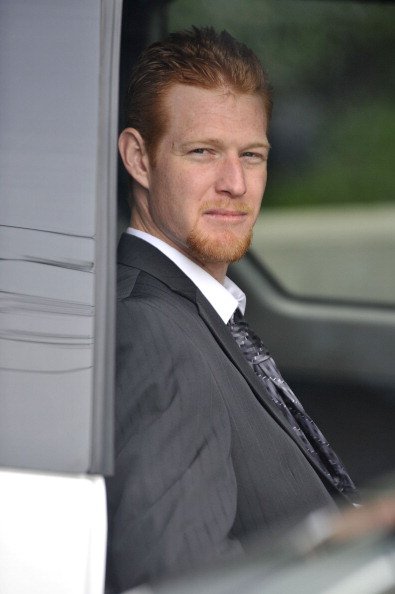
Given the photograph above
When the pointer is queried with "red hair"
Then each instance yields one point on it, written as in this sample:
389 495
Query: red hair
198 57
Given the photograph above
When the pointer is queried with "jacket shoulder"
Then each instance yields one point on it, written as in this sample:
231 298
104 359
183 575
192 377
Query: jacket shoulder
126 280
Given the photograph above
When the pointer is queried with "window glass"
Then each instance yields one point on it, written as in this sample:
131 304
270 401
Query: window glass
327 226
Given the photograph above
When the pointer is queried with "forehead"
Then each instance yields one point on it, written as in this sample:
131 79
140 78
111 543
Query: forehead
190 109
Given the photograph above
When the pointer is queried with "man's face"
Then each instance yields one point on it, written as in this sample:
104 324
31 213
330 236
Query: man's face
209 176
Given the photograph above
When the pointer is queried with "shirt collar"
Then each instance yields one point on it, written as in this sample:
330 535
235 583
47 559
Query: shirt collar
225 298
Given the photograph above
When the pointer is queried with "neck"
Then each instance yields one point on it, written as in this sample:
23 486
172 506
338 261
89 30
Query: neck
216 269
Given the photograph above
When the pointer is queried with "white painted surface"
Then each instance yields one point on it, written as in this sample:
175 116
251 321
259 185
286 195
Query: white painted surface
53 531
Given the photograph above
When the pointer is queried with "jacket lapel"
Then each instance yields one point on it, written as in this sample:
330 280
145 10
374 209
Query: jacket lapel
137 253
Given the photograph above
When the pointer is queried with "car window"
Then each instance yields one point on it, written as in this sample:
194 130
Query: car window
327 226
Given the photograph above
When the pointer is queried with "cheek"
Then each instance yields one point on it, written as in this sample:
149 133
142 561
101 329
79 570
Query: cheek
175 206
260 185
189 191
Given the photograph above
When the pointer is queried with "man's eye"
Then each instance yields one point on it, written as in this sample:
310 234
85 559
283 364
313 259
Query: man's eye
199 151
255 157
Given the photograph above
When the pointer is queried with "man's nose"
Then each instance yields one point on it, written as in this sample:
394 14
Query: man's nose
231 177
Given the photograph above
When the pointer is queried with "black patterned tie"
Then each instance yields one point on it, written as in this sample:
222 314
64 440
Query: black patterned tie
304 427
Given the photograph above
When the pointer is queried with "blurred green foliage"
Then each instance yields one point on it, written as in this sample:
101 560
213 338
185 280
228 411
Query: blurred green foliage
353 163
331 64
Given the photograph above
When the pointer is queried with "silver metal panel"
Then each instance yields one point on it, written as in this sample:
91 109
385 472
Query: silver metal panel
57 204
49 62
106 238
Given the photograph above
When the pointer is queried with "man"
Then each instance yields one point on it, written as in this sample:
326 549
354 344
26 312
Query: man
210 445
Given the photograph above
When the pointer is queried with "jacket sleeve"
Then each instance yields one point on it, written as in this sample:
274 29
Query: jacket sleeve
172 499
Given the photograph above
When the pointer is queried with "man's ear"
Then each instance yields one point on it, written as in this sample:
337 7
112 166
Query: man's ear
134 155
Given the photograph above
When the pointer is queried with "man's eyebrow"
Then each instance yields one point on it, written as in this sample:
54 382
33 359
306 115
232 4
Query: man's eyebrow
219 143
197 141
265 145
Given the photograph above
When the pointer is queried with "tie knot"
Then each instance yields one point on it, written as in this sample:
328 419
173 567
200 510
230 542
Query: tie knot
235 318
249 342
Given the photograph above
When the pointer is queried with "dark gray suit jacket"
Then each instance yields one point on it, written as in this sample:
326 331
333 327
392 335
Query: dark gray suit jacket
203 457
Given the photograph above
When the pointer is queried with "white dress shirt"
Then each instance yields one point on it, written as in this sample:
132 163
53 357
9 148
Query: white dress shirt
225 298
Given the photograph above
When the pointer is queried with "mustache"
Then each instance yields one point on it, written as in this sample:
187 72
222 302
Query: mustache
228 205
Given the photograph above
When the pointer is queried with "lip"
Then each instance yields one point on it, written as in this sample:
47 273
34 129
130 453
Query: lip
225 215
